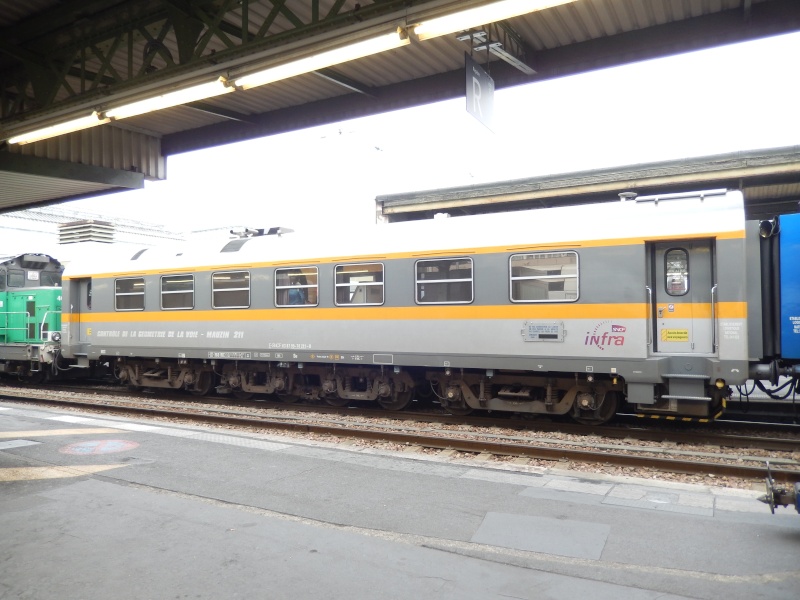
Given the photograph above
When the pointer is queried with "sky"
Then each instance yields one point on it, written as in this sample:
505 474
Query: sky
727 99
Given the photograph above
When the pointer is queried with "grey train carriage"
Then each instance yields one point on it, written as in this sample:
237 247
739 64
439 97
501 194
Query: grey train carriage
655 303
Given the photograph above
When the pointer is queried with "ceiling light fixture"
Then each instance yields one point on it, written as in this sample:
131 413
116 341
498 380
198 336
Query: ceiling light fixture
192 94
59 129
198 92
481 15
381 43
221 86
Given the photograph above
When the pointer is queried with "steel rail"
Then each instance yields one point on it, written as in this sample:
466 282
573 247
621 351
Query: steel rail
457 444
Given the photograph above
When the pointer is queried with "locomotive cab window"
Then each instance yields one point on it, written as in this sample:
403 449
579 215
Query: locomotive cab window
444 281
544 277
177 292
676 272
15 278
129 293
230 289
359 284
296 287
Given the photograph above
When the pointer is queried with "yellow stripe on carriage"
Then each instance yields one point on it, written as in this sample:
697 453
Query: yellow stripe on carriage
465 312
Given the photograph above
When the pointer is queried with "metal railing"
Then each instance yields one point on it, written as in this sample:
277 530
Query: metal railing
5 329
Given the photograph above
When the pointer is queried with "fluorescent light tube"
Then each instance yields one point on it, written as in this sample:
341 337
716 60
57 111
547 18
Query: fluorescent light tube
59 129
325 59
198 92
481 15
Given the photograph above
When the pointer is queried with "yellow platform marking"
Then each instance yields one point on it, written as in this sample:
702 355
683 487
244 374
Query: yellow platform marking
45 432
34 473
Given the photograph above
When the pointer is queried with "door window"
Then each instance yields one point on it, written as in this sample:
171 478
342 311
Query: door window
676 272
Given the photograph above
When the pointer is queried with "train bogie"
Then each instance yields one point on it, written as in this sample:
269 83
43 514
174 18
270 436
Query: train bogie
586 397
172 374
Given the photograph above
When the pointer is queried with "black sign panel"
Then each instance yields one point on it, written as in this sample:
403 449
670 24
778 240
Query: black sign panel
480 92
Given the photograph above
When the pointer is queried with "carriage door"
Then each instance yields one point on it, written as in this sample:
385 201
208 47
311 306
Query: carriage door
684 294
81 305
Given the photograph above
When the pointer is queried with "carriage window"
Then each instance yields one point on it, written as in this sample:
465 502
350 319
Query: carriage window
129 294
676 272
177 292
544 277
16 278
444 281
230 289
296 287
359 284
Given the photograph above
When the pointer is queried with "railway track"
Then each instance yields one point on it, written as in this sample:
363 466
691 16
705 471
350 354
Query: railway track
775 436
706 453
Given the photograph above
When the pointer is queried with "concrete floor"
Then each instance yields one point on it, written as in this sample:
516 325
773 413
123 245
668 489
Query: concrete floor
98 508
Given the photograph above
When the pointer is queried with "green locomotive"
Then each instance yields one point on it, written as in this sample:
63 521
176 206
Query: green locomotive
30 315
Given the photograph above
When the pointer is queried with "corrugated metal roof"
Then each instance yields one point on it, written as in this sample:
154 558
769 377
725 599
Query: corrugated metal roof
563 26
769 180
37 189
87 163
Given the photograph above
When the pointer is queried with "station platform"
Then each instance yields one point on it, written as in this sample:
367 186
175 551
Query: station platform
114 508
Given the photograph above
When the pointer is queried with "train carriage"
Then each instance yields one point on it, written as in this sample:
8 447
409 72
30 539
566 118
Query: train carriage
570 310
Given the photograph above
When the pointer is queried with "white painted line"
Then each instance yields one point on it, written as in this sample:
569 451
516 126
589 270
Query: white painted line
17 444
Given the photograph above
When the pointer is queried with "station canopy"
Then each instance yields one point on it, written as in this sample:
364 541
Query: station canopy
95 94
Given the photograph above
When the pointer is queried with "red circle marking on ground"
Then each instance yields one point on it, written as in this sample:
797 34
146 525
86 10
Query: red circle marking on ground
99 447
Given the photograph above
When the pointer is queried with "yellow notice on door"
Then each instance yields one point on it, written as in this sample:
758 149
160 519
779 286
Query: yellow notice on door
674 335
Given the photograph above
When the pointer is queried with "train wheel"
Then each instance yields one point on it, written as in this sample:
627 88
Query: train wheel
336 401
36 377
398 401
203 386
458 406
601 415
459 411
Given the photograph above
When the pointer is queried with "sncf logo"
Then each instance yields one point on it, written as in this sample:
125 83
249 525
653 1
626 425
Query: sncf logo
605 334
